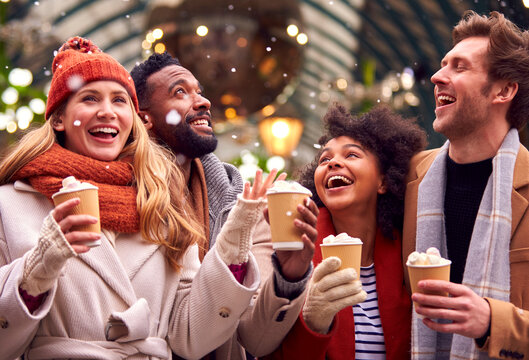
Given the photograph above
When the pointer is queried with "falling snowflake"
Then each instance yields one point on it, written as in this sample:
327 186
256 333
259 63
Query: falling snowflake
77 123
75 82
173 117
180 159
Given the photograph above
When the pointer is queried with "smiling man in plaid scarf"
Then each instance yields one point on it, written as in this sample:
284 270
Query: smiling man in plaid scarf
469 198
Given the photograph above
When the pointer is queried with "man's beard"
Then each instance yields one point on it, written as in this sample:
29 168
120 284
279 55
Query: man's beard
466 120
190 144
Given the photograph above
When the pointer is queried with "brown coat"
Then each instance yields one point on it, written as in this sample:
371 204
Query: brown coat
509 321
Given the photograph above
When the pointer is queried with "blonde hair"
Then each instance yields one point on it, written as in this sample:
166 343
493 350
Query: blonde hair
165 216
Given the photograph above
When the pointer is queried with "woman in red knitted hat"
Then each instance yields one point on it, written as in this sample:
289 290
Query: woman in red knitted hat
134 294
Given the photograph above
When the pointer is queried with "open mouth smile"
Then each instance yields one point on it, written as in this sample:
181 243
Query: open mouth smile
337 181
445 100
199 122
104 132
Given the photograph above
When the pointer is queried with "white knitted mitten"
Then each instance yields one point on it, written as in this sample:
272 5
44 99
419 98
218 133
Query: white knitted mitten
235 238
330 290
44 263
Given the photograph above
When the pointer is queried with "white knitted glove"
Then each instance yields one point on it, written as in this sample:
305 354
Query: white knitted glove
330 290
44 263
235 238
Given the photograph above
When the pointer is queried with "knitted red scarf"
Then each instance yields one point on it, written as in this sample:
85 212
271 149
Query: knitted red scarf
117 194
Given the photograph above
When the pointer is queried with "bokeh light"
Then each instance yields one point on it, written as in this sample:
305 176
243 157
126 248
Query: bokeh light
292 30
202 30
38 106
20 77
10 96
302 38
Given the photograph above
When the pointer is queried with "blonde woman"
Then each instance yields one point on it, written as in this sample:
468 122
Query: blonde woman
139 294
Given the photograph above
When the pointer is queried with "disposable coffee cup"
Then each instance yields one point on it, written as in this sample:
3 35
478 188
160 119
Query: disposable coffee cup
282 210
428 272
349 254
89 205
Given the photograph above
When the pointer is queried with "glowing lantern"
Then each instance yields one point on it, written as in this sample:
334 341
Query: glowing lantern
280 135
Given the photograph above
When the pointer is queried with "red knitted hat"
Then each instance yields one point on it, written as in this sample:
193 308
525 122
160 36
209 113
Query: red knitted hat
79 61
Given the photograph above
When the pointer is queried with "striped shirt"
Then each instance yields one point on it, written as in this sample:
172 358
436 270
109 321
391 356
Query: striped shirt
369 342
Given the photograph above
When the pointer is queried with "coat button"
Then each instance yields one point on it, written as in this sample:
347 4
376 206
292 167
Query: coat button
3 323
224 312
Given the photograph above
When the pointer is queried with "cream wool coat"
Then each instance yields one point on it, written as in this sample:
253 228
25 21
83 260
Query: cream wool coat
268 318
130 282
509 337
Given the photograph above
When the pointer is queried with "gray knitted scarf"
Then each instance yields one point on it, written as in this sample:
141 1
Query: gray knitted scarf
487 270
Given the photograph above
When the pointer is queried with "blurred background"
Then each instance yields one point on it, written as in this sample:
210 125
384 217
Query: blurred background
271 68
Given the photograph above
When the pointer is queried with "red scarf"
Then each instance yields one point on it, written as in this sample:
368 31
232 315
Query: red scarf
117 194
394 303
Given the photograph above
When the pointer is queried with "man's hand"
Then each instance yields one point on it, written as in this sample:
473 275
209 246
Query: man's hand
294 264
470 313
258 189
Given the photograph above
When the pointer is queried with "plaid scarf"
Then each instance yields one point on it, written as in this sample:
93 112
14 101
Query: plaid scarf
487 270
117 195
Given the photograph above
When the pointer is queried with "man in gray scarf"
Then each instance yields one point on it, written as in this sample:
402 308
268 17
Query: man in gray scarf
469 198
177 115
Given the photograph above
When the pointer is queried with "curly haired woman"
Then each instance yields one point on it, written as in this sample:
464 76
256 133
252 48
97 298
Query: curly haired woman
358 179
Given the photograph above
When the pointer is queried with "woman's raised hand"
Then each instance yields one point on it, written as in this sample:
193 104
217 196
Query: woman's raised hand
66 222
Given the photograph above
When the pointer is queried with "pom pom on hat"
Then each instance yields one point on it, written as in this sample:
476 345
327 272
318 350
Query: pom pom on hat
80 44
79 61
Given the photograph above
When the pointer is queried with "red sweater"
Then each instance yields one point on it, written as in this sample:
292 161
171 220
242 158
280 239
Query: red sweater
393 301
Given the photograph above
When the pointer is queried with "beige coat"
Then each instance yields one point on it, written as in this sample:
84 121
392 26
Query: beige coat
126 279
509 321
269 317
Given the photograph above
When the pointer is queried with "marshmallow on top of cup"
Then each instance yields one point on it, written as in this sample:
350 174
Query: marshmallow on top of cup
284 186
432 256
70 184
342 238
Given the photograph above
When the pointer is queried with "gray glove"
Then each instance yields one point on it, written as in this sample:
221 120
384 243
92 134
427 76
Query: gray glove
330 290
45 261
235 238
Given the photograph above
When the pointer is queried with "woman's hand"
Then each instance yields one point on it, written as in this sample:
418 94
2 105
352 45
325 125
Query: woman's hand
66 222
330 290
258 190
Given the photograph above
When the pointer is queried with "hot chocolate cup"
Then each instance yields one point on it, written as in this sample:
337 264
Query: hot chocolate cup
89 205
282 210
428 272
350 254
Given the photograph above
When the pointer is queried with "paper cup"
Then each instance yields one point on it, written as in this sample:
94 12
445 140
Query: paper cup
89 205
282 210
428 272
350 254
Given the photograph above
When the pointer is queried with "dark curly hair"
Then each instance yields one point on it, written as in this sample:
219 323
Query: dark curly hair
141 72
392 138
